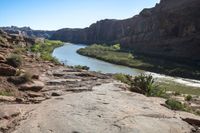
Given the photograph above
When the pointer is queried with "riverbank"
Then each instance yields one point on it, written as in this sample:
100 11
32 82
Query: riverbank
44 49
116 56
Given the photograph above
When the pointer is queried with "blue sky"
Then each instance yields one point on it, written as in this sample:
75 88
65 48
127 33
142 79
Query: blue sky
56 14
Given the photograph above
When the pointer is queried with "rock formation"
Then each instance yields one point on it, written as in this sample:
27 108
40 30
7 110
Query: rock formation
9 40
28 32
170 30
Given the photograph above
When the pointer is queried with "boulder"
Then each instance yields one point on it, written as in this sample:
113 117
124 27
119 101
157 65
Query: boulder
6 70
32 86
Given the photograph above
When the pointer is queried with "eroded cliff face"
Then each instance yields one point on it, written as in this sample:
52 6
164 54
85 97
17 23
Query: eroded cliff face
12 40
28 32
169 30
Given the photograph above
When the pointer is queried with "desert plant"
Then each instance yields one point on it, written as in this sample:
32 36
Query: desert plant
144 82
188 98
123 78
175 105
14 60
81 67
116 47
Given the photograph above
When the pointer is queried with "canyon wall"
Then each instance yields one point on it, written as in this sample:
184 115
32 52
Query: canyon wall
170 30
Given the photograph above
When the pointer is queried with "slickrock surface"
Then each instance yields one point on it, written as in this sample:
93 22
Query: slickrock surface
106 108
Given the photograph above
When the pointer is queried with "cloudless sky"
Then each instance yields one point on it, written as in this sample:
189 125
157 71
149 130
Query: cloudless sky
56 14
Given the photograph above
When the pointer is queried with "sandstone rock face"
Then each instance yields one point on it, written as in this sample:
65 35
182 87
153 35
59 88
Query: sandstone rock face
106 109
27 31
6 70
9 40
169 30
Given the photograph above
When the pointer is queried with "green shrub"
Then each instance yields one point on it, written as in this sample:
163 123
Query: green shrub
81 67
116 47
188 98
175 105
45 49
146 83
143 82
14 60
123 78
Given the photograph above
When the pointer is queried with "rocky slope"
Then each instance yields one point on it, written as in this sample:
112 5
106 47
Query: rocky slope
28 32
169 30
11 40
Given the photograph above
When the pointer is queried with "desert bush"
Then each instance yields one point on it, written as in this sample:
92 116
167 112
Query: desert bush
14 60
188 98
45 49
123 78
145 83
116 47
175 105
81 67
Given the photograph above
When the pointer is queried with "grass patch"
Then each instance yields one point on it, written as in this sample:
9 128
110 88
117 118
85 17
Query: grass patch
123 78
178 88
81 67
46 49
175 105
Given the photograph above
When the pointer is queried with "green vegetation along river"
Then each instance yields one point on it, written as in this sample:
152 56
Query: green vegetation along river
68 55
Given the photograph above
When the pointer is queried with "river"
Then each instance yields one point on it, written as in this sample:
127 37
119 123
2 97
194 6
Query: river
67 54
